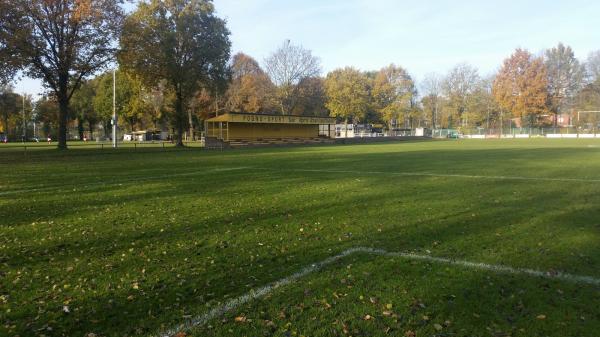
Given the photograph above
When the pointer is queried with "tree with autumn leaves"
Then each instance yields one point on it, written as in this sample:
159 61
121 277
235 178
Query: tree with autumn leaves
392 93
348 95
521 87
181 43
250 89
60 42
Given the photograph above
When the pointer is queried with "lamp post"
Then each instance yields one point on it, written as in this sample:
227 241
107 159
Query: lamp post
24 133
114 117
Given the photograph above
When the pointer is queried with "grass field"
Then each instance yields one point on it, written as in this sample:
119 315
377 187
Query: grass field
127 243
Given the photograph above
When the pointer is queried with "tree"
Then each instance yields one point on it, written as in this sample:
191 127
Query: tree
483 109
311 98
288 66
181 42
592 67
432 101
588 99
129 101
47 112
393 90
250 89
157 101
8 59
9 107
347 93
521 86
565 76
458 87
62 42
82 107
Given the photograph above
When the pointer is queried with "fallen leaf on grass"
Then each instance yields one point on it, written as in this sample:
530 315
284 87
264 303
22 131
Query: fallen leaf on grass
541 317
240 319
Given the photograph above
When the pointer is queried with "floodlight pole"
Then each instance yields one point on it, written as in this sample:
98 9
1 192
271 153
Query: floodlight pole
114 118
24 122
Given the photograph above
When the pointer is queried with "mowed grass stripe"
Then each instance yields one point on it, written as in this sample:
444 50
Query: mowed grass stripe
439 175
122 181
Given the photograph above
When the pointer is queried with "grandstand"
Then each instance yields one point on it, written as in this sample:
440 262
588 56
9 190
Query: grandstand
243 130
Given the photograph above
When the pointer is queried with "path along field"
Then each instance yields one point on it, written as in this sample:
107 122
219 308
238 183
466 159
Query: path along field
122 243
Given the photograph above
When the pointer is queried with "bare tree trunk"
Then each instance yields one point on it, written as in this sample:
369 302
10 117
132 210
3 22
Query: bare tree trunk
434 115
91 128
179 120
346 127
80 128
63 113
191 124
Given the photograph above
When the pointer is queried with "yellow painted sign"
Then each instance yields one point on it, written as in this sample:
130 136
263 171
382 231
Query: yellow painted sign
274 119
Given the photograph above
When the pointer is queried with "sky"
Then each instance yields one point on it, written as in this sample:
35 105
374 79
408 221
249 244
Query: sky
422 36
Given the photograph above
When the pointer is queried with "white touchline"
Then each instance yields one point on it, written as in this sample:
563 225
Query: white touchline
443 175
265 290
124 181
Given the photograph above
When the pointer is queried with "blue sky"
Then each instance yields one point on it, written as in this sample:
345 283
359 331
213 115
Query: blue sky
422 36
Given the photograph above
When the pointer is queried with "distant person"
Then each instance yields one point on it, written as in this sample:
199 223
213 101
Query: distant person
49 139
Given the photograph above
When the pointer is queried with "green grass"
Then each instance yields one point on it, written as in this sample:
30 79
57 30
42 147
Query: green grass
136 242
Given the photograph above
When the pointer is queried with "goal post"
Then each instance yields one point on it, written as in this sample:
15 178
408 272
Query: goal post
586 117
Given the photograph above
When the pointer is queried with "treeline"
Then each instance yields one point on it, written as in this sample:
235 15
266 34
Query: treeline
175 70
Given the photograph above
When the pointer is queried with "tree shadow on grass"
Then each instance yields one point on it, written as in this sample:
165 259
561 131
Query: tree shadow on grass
175 288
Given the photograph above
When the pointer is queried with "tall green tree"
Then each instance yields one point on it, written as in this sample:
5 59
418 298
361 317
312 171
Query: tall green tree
348 95
158 102
47 112
8 59
129 99
9 107
61 42
82 107
180 41
565 78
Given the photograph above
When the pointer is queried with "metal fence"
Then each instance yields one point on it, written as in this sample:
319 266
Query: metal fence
558 132
125 146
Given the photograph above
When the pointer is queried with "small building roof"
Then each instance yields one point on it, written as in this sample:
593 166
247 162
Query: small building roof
231 117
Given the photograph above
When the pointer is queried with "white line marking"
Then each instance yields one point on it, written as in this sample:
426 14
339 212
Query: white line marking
124 181
443 175
265 290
